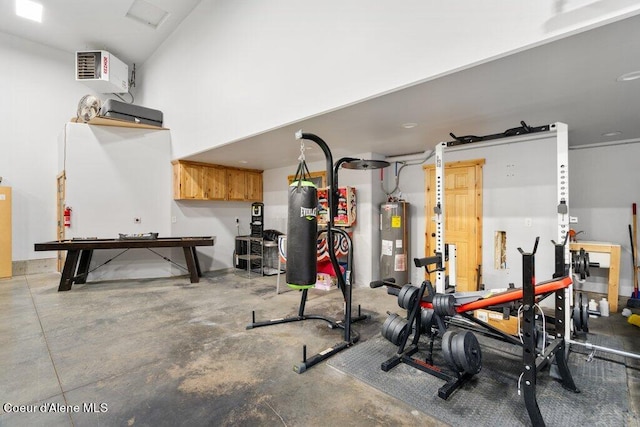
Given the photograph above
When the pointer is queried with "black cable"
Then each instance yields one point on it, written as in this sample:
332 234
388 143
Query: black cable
107 261
167 259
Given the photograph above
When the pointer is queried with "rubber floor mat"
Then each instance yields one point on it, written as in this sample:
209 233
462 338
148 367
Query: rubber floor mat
491 397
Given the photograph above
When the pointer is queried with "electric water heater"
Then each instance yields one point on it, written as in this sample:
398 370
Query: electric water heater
394 241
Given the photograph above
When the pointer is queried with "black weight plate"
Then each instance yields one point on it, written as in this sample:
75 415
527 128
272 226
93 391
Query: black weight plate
392 330
426 321
444 304
407 296
399 330
446 349
577 321
457 351
437 304
467 353
387 329
585 316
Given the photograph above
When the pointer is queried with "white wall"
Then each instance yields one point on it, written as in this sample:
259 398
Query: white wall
605 181
39 95
206 218
113 176
519 182
237 68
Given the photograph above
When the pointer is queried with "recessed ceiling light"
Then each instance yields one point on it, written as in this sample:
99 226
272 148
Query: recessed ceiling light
409 125
29 9
629 76
244 162
614 133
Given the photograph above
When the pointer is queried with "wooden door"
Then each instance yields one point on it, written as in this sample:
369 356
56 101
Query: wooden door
463 218
61 181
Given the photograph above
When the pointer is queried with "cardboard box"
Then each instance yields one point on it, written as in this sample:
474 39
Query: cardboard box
496 319
346 209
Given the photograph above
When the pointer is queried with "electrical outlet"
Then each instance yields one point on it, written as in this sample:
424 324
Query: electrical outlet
237 220
137 220
173 220
528 222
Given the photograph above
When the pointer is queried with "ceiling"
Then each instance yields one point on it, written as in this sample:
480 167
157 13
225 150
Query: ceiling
572 80
72 25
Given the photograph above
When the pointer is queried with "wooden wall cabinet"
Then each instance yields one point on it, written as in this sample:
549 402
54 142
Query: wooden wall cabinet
244 185
188 181
254 186
204 181
214 183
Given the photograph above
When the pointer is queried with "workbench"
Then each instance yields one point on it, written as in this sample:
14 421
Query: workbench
611 260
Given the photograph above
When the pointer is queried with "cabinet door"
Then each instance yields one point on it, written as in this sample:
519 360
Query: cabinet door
236 185
253 182
215 183
190 178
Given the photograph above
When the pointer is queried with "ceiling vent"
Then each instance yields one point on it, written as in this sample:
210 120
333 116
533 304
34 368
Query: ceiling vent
102 71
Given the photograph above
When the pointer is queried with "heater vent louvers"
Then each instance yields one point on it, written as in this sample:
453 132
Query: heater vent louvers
102 71
88 65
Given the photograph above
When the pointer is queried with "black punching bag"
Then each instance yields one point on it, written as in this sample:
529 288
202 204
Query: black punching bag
302 229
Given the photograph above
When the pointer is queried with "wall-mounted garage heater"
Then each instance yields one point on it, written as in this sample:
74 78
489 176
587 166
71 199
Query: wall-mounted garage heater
102 71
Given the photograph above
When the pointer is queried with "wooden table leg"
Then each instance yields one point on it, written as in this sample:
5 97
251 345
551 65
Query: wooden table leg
614 278
197 262
191 264
69 270
83 266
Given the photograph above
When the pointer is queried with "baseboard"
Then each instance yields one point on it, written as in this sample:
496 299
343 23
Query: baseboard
34 266
50 265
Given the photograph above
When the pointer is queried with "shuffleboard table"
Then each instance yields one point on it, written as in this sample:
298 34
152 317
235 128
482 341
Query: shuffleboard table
80 251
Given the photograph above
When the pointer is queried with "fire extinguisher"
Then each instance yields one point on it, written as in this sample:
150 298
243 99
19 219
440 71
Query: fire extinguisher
67 216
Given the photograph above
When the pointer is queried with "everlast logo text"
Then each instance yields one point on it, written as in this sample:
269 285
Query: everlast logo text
308 213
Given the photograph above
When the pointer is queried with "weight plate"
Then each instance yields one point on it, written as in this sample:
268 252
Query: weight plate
387 329
399 331
457 351
394 328
407 296
577 321
587 273
581 264
580 315
467 353
585 316
446 349
426 321
444 304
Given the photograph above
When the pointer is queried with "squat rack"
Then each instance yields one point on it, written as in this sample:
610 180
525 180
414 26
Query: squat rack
532 362
562 197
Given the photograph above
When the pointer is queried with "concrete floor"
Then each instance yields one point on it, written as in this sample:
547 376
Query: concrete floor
167 352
